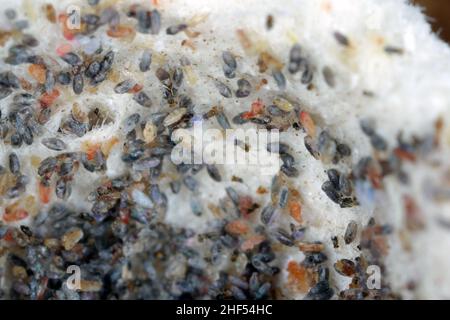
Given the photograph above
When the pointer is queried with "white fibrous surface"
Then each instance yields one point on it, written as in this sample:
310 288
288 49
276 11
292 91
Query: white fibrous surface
405 91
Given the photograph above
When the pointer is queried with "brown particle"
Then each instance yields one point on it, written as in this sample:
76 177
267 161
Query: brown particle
50 13
71 238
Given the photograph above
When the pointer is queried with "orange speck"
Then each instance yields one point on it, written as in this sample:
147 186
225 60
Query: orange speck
120 31
404 155
257 107
108 145
91 149
11 215
63 49
295 210
251 242
47 99
245 205
44 193
8 236
247 115
37 71
237 227
298 276
136 88
308 123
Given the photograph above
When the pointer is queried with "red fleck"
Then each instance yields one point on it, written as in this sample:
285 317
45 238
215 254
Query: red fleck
63 49
308 123
298 276
252 242
44 193
257 107
47 99
295 210
237 227
136 88
9 236
120 31
414 219
404 155
12 215
246 205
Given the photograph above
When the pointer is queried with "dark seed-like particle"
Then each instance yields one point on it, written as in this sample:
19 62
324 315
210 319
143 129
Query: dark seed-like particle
78 83
30 40
223 120
233 195
143 99
295 59
289 171
196 207
244 88
14 163
307 75
155 24
333 175
93 69
4 92
345 185
345 267
331 191
63 188
335 242
277 147
284 193
237 293
54 144
378 142
49 81
124 86
350 232
341 39
162 74
64 78
279 79
48 165
190 183
328 75
230 64
72 59
321 291
288 160
344 150
176 28
223 89
284 238
213 172
393 50
175 186
146 60
11 14
367 126
312 259
267 214
177 77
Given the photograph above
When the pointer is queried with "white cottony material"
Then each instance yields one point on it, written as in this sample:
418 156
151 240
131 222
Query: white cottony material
404 93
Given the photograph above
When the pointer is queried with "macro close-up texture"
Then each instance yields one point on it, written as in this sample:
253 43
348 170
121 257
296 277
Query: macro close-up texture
115 117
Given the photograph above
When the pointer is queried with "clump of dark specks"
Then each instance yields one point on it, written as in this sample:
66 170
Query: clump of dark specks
368 127
143 99
14 163
339 189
